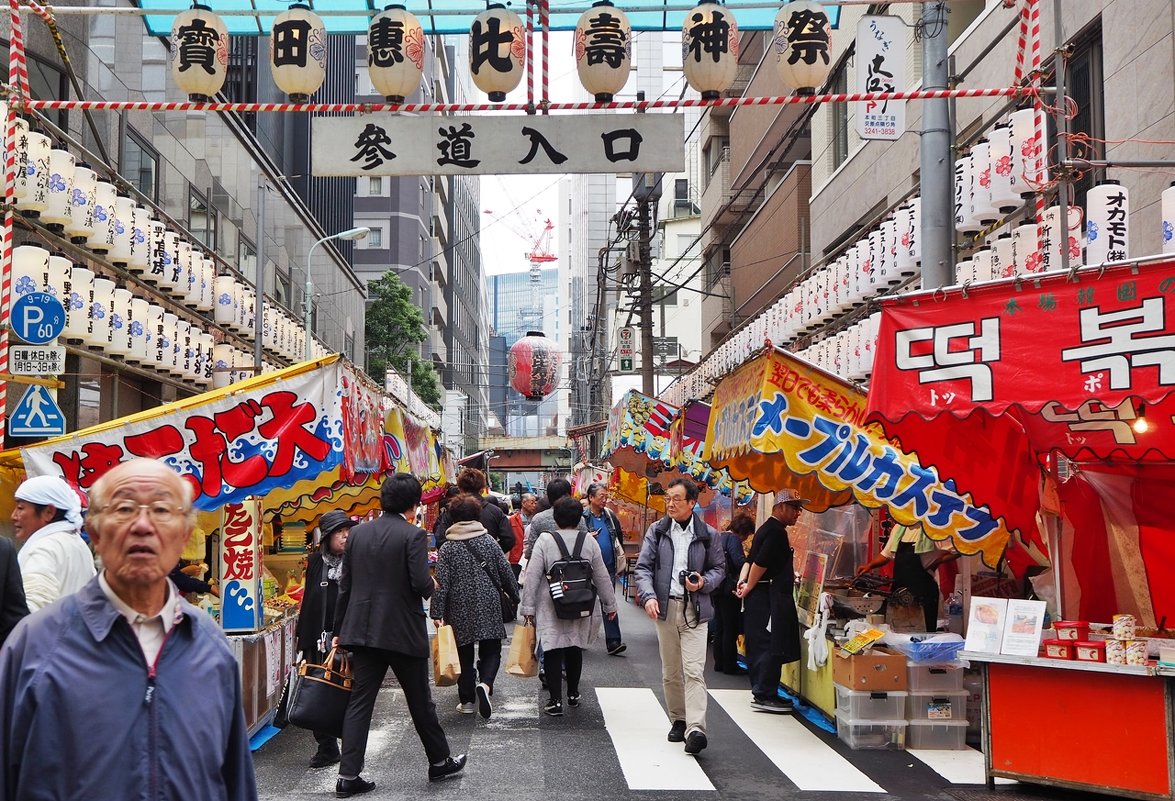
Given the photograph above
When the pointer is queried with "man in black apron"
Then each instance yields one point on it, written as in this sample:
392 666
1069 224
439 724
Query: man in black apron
915 558
770 622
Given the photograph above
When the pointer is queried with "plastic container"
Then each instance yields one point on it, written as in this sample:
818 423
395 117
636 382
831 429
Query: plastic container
1060 649
937 706
935 678
1071 629
866 705
937 735
1090 651
888 735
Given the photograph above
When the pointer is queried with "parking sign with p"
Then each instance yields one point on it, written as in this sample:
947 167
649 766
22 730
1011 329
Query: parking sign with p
38 318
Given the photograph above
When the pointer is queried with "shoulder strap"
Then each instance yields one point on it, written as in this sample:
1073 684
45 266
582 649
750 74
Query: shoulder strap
579 540
484 566
563 546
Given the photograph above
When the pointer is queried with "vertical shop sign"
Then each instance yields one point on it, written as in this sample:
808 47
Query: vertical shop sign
240 566
881 67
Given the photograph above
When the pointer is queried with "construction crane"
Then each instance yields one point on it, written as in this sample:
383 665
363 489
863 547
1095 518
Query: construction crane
538 239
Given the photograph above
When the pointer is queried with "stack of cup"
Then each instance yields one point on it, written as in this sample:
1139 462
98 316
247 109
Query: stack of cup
1124 649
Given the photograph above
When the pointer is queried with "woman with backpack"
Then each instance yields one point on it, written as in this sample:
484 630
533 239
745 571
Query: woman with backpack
564 579
472 573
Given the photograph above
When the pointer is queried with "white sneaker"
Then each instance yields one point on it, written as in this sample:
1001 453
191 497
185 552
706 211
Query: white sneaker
466 709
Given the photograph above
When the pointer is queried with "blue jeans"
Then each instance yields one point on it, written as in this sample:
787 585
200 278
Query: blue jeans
612 636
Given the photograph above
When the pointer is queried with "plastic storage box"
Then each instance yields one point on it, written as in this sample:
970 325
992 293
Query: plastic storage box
935 678
937 735
937 706
872 734
866 705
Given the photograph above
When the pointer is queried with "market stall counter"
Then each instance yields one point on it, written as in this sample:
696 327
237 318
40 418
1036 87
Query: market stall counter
1119 718
264 658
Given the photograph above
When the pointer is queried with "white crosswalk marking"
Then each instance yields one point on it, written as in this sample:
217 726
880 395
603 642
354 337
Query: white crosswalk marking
957 767
805 758
637 725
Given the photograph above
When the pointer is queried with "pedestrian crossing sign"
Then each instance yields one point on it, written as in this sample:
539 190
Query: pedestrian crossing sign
37 415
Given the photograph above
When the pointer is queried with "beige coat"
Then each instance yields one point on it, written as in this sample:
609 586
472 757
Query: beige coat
536 595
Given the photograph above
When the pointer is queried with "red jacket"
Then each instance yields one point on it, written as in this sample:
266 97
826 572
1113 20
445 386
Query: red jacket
515 554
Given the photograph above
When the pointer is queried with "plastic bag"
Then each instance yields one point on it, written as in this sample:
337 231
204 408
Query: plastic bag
446 666
925 648
521 660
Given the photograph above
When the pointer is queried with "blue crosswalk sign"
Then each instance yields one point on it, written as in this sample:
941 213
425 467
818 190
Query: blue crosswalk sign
37 415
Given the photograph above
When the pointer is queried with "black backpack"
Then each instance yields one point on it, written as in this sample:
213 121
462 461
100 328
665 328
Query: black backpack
570 580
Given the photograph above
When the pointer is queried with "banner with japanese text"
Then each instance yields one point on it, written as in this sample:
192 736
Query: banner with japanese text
397 144
240 566
779 422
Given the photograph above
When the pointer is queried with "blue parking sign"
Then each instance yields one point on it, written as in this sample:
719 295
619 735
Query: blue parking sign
38 318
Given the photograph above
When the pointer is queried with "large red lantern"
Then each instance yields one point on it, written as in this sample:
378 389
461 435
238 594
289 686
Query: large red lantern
534 365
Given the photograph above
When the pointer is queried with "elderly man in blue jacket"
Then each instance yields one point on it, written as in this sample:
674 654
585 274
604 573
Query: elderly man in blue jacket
124 689
680 565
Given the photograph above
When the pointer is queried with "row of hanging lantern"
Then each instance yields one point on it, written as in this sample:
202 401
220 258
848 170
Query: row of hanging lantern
848 353
802 43
1000 172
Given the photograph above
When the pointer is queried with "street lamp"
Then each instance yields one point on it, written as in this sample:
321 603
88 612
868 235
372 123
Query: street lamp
351 234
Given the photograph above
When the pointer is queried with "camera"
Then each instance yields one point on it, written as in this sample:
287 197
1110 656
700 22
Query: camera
691 575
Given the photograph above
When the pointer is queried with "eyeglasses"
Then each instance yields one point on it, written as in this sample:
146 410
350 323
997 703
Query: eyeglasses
671 499
159 512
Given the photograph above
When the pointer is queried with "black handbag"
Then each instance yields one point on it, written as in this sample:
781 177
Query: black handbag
508 601
319 694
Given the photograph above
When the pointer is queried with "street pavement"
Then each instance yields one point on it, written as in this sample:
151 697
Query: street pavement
613 747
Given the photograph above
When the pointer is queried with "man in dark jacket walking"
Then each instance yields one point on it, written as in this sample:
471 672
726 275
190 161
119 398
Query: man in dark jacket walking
12 603
471 481
379 616
680 565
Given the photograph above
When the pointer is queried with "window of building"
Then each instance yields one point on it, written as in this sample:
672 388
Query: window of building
202 219
140 163
283 292
665 295
375 185
374 240
47 82
839 112
349 346
1083 84
246 257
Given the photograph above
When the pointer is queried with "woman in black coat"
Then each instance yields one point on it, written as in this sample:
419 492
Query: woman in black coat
323 570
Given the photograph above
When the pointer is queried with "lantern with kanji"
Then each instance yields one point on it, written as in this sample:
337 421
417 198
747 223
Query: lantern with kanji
803 42
603 50
497 51
1107 223
297 52
199 52
395 53
534 365
709 49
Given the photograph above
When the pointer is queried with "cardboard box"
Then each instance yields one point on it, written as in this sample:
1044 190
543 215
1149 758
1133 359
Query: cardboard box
880 669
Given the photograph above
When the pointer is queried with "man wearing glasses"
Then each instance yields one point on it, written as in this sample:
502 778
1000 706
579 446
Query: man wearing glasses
680 564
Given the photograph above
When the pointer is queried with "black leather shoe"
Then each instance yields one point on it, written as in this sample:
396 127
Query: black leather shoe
677 732
695 743
345 788
322 759
452 766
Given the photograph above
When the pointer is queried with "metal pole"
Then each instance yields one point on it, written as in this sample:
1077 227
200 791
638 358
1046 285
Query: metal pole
259 282
646 299
307 300
935 157
1060 65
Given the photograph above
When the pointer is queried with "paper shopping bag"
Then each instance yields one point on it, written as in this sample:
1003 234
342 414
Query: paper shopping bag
446 666
521 660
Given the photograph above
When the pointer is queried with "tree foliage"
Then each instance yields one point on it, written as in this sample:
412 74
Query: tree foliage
395 327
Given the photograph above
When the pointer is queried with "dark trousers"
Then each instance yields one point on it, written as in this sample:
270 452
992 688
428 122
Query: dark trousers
489 659
327 744
612 635
370 665
764 665
729 624
557 659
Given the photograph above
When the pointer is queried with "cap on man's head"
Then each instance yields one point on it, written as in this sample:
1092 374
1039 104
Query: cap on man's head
332 521
789 496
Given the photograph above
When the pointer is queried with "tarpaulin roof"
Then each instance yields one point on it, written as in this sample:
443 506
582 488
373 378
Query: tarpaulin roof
449 16
985 383
778 421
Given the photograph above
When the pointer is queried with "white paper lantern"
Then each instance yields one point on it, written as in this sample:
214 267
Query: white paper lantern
1026 249
859 267
916 229
190 280
204 379
60 195
247 310
225 312
59 270
877 281
101 300
497 51
207 284
165 342
30 270
981 265
174 364
1003 263
907 235
138 331
1167 212
889 252
709 49
119 338
183 349
124 231
869 332
985 210
803 42
102 239
1029 150
603 50
154 331
140 257
222 365
177 283
199 53
1107 223
964 272
81 207
31 190
297 52
1005 183
965 222
268 329
78 295
395 53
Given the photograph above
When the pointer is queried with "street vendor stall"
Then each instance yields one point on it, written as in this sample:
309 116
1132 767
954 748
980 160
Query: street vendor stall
1051 401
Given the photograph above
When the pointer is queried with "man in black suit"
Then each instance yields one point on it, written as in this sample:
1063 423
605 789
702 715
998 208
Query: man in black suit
12 603
379 616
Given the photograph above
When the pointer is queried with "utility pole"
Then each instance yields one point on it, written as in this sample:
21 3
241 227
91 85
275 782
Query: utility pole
646 191
259 282
936 162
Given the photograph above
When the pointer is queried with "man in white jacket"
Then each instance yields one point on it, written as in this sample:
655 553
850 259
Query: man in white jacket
54 560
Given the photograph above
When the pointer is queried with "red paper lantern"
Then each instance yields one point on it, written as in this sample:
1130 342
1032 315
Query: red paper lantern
534 365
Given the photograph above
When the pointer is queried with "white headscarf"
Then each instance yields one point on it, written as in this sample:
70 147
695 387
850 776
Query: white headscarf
53 491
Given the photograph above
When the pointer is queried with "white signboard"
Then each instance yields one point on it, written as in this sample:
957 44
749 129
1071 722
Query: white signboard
396 144
881 67
627 339
37 359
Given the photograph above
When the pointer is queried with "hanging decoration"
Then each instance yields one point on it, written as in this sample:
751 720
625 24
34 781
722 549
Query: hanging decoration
709 49
497 51
199 53
803 42
1107 223
395 53
1167 206
603 50
297 52
534 365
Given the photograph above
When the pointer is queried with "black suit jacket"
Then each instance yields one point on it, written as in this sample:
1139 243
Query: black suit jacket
12 602
385 581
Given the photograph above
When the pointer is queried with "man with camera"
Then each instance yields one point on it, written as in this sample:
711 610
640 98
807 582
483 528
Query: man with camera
680 565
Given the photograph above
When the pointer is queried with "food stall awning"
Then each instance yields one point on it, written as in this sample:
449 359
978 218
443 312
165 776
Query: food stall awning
308 435
986 383
778 421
